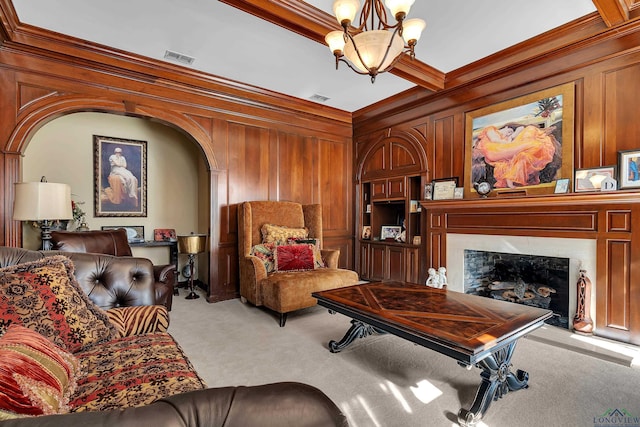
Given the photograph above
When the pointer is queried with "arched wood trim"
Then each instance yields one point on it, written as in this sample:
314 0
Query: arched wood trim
49 108
414 144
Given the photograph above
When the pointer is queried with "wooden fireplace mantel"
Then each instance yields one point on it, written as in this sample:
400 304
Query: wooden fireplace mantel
612 219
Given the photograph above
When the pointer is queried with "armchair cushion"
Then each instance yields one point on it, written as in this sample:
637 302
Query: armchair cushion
45 296
264 252
37 377
280 234
294 258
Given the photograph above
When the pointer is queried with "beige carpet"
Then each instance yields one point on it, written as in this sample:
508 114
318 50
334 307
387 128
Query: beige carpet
384 381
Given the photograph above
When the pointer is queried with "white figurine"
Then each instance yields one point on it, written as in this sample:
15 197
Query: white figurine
433 280
442 277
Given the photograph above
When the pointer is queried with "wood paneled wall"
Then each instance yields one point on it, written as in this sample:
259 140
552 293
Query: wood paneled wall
258 145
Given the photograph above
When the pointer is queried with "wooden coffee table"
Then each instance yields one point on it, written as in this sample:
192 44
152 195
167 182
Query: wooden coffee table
473 330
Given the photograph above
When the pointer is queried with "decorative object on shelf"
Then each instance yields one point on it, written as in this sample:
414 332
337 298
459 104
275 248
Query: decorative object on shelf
608 184
368 208
562 185
417 240
414 206
590 179
42 202
135 233
458 193
120 177
437 279
629 167
402 237
428 191
526 142
192 245
366 232
444 188
582 321
164 235
390 232
483 188
375 46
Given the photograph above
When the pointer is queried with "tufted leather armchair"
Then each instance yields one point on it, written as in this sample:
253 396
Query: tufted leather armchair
114 242
109 281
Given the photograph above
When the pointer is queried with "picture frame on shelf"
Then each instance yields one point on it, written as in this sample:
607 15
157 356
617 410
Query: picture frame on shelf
414 206
366 232
562 186
135 233
428 191
444 188
164 235
533 132
119 177
458 193
590 179
390 232
629 168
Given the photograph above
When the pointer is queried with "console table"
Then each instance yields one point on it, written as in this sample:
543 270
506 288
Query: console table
173 249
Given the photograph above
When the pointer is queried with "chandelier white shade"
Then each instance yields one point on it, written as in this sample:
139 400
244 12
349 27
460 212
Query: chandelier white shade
372 49
375 45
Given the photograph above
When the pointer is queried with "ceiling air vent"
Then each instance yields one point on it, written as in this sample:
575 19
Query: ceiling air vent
178 57
318 98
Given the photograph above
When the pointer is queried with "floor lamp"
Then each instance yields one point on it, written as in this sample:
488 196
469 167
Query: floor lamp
43 202
192 245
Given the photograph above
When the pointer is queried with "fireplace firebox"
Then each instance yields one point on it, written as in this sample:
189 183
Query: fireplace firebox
537 281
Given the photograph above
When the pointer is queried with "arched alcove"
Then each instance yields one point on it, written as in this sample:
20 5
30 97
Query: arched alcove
66 161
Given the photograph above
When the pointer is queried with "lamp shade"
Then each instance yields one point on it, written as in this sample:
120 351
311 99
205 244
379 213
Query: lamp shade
399 6
192 243
412 29
345 10
372 46
40 201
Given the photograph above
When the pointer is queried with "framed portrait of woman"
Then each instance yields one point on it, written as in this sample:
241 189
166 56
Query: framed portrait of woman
523 143
120 177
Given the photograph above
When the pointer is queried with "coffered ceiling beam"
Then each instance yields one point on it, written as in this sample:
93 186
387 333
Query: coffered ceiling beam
310 22
613 12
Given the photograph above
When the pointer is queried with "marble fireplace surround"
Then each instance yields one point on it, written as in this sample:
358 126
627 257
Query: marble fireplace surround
580 252
595 230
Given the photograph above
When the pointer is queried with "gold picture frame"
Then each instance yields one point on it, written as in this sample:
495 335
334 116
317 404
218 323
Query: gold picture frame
523 143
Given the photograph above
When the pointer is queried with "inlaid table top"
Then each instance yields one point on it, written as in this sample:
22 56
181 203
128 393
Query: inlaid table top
465 327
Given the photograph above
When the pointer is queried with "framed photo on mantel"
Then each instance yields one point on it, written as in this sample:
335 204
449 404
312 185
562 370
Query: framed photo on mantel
445 188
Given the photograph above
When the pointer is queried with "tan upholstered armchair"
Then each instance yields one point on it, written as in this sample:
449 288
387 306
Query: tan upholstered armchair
284 291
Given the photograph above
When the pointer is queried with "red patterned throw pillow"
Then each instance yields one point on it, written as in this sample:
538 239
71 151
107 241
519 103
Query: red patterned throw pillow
45 296
294 258
37 377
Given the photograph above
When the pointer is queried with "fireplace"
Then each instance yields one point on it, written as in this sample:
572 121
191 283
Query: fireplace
577 253
537 281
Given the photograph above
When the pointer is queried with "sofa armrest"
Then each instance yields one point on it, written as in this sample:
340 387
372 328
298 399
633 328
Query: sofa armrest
252 271
165 276
139 319
279 404
331 257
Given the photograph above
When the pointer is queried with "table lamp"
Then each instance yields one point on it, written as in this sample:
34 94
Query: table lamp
192 244
43 202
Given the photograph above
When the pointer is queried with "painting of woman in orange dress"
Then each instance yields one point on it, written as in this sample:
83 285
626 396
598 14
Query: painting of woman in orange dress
518 147
517 155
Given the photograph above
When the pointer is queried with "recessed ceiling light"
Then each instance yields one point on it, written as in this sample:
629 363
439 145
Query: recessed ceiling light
179 57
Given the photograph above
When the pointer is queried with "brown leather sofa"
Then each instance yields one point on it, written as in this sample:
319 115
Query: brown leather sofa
272 405
114 242
109 281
